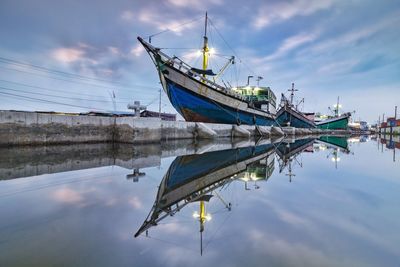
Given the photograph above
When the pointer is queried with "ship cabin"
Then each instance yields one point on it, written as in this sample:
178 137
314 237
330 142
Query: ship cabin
259 97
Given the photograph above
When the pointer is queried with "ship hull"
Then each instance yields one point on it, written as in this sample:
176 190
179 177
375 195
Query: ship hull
339 123
286 116
199 108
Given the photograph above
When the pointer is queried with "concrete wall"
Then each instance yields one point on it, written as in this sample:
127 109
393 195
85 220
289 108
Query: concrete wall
29 128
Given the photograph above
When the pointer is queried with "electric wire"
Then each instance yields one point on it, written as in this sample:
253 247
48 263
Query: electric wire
83 83
34 99
56 90
63 97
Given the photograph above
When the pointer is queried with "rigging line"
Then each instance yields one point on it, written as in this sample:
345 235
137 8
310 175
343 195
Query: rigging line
174 28
152 101
61 91
216 231
63 97
70 75
82 83
49 101
177 48
227 44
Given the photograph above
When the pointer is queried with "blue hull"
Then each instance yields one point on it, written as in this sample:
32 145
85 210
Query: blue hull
198 108
286 117
185 169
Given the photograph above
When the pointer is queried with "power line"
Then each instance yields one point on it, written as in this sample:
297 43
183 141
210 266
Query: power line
55 90
48 101
76 82
58 72
64 97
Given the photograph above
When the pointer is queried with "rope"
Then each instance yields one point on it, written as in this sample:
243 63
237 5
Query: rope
175 28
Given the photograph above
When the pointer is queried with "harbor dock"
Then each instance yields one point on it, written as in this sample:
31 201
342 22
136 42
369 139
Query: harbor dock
36 128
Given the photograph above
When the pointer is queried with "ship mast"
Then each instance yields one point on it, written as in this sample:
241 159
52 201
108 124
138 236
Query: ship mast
337 108
205 46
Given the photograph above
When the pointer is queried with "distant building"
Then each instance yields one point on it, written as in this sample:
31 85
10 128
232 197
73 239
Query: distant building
163 116
359 126
390 125
309 115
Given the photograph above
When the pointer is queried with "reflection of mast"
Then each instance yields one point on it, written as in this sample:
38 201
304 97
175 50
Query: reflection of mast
290 174
203 216
202 220
335 158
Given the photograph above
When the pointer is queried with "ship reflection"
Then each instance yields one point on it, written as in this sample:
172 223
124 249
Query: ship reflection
195 178
198 179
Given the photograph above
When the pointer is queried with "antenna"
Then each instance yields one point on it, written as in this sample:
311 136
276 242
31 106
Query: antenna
248 79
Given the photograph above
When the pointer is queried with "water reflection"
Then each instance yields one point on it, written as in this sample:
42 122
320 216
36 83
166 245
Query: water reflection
247 203
391 142
197 179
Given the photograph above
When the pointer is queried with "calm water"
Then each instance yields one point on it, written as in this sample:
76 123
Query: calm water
326 202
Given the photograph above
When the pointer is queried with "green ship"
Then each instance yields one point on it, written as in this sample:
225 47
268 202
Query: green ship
337 122
334 123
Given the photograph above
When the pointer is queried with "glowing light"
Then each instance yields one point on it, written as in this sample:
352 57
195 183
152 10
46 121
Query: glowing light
196 214
208 217
212 51
199 53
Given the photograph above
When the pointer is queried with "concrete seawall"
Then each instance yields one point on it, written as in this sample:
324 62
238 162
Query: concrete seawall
34 128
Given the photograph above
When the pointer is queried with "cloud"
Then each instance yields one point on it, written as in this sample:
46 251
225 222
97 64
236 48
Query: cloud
189 56
292 43
127 15
338 67
67 195
135 202
137 50
281 11
68 55
195 4
357 35
157 19
114 50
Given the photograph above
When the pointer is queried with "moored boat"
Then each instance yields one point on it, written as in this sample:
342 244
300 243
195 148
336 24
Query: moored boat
336 122
288 115
200 99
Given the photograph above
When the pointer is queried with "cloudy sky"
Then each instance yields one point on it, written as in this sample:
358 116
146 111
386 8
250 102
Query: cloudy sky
77 55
